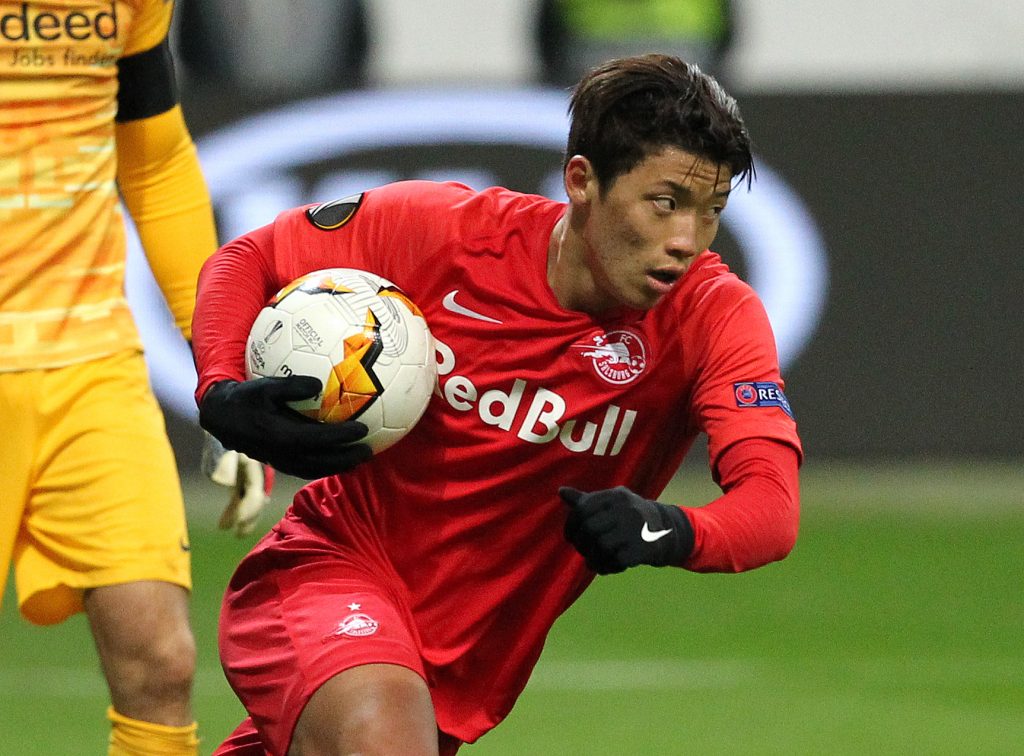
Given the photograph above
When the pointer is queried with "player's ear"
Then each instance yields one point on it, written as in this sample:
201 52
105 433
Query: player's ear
580 180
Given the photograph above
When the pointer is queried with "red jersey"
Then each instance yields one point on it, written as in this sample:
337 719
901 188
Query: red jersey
464 513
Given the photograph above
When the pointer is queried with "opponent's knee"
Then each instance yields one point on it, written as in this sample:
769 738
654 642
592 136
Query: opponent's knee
155 670
174 661
170 662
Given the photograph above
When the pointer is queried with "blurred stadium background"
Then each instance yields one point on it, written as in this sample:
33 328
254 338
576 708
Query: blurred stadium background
890 135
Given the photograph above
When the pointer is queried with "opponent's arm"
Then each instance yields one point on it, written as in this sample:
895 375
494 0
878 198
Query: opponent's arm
754 522
160 179
162 185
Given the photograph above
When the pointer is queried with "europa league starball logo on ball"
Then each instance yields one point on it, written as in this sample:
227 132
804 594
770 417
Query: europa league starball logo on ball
324 149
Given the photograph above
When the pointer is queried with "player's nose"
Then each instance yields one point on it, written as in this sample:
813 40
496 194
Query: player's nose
682 243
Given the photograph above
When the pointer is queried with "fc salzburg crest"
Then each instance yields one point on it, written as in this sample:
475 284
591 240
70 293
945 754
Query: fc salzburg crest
617 356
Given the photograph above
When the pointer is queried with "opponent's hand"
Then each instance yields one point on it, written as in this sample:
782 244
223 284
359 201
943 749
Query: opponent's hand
252 417
615 528
250 482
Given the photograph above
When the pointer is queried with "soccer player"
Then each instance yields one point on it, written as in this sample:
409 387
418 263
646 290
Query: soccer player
91 513
402 601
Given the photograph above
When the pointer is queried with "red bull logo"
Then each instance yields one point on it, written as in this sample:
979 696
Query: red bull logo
544 420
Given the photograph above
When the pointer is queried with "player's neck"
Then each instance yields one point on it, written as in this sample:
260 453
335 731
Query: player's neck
568 275
555 242
571 279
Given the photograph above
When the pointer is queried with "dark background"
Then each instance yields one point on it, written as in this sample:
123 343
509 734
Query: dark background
921 350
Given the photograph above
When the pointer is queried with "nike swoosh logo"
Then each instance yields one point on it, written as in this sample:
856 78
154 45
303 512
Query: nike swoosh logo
653 535
450 304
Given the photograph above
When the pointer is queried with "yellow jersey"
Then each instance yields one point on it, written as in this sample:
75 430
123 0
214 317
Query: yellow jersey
62 235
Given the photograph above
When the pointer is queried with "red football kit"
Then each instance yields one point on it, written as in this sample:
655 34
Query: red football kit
446 552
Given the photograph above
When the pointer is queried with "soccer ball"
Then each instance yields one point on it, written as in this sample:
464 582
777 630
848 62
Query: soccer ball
365 340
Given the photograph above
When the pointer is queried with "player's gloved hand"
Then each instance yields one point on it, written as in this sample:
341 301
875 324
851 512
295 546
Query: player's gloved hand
615 528
250 482
252 417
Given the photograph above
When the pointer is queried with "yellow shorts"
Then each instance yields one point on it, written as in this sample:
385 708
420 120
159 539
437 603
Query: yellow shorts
89 489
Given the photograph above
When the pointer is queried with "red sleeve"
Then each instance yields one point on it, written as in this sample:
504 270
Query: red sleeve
739 391
755 521
241 277
234 284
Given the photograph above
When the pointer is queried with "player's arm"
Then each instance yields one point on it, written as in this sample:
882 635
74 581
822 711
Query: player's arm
755 455
756 520
252 417
160 178
753 523
235 283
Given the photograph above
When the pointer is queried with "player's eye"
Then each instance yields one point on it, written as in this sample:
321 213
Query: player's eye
663 202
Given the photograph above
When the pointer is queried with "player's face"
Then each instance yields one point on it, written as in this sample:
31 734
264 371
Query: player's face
643 233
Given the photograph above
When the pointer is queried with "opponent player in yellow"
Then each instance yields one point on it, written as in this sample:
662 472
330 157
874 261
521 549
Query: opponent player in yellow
91 513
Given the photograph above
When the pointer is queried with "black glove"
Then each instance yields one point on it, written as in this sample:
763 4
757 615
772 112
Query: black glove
615 528
251 417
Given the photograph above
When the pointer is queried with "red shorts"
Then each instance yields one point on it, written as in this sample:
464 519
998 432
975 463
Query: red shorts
294 618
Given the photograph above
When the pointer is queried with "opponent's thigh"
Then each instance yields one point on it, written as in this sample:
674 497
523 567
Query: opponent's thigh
105 505
373 708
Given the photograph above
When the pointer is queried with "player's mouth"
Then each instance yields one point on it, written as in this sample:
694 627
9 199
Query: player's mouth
661 280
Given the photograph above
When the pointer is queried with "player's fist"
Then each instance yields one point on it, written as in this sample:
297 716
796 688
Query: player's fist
252 417
615 528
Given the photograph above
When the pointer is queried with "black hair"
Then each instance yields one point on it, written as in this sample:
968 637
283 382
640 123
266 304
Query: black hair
629 108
